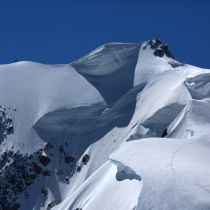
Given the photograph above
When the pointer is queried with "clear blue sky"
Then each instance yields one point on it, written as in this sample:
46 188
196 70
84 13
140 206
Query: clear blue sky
60 31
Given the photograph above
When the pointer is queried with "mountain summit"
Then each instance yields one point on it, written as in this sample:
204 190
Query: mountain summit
125 127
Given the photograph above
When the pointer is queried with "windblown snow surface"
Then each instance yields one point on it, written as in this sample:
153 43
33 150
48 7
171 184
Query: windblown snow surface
126 127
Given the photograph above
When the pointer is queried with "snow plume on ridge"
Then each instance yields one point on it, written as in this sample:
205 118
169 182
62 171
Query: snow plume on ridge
125 127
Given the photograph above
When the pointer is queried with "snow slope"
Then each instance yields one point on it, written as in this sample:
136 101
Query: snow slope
125 127
32 89
175 174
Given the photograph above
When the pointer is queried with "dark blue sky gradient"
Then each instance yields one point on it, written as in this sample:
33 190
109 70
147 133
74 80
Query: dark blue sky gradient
60 31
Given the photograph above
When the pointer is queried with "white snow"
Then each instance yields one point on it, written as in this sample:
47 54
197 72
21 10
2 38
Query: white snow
35 90
146 67
103 191
142 120
175 172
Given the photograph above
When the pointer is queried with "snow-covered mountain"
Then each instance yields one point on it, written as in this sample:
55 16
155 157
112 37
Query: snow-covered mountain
126 127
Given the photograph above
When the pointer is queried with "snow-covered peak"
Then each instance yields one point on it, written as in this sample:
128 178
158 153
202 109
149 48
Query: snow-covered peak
125 127
154 58
160 48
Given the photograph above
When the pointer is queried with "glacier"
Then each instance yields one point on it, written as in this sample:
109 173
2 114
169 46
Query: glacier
125 127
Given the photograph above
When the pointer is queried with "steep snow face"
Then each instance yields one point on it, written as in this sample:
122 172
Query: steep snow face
199 86
108 59
67 131
110 68
158 104
193 121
